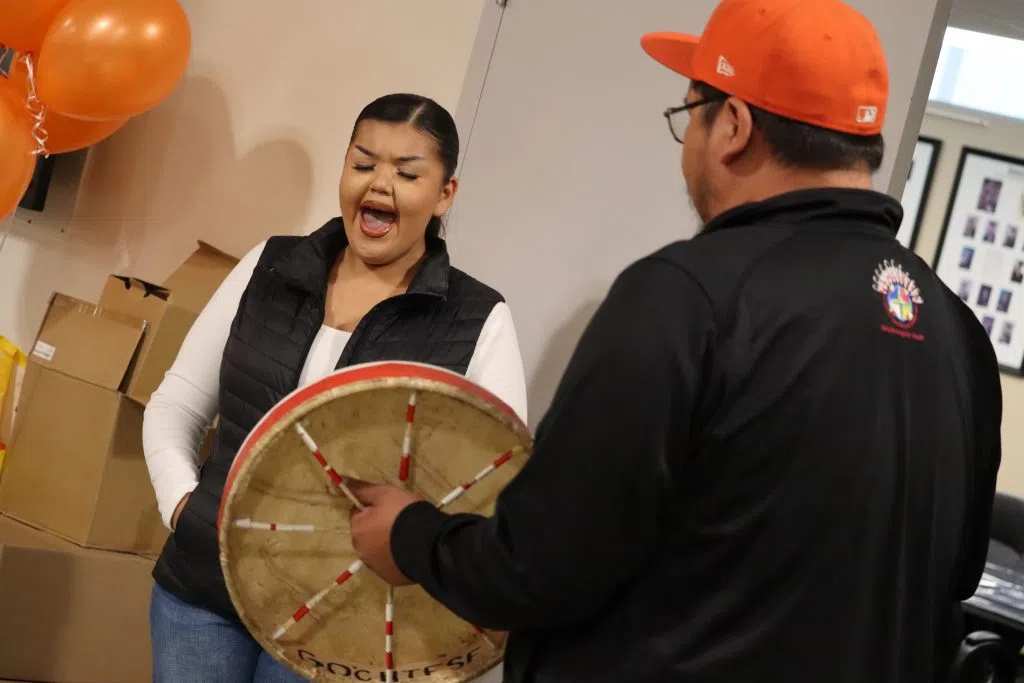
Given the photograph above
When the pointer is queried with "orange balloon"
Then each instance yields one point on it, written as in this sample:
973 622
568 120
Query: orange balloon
63 133
23 23
17 162
111 59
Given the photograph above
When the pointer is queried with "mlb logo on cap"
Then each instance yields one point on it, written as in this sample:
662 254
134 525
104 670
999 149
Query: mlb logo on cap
867 115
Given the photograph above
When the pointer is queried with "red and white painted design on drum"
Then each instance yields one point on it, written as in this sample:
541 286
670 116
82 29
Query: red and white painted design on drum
361 373
332 474
457 493
410 417
389 633
337 481
389 608
403 477
487 639
246 523
307 606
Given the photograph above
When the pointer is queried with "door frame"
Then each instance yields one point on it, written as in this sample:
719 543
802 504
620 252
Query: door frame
476 72
919 100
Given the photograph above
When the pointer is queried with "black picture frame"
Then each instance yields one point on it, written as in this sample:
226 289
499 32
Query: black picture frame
1017 369
936 145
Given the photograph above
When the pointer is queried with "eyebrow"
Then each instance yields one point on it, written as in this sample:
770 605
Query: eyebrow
401 160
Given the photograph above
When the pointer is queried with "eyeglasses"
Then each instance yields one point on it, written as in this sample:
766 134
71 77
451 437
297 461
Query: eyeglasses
677 124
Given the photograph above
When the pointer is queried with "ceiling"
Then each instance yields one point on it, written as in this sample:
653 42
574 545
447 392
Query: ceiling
1001 17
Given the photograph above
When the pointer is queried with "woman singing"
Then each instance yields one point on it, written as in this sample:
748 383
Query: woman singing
373 284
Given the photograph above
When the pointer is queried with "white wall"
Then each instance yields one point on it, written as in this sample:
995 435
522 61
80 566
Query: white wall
572 173
1005 136
250 145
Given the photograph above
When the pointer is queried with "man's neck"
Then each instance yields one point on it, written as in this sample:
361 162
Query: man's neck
780 180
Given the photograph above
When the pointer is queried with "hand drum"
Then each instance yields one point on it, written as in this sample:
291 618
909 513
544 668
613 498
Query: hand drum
284 539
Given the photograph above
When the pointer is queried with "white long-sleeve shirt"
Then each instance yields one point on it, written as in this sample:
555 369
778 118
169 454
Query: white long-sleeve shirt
184 405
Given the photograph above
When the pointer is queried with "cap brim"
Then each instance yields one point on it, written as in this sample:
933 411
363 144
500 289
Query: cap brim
674 50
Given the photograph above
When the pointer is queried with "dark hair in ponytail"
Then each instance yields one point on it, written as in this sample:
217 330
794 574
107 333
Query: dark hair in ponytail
427 116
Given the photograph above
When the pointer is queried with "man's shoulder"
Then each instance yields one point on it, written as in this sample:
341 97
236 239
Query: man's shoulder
719 261
738 242
980 351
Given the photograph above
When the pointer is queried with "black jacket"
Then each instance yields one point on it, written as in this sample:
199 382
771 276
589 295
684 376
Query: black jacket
437 321
772 458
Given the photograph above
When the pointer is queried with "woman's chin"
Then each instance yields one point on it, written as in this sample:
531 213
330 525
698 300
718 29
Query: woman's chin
375 251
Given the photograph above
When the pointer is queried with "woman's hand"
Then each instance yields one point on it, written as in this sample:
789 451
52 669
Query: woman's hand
177 511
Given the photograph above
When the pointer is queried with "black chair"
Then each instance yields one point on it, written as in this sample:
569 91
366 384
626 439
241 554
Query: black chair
992 649
984 658
1006 542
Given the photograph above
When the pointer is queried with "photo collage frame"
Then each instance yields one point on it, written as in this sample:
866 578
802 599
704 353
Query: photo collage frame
981 250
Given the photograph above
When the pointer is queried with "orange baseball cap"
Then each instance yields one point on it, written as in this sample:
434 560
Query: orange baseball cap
816 61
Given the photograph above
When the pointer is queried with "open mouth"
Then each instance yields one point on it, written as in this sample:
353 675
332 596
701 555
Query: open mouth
375 220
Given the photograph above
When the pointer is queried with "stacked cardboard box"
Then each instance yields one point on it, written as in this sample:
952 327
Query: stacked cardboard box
75 491
71 614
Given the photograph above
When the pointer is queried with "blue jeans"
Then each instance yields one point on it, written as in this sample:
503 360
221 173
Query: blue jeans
193 645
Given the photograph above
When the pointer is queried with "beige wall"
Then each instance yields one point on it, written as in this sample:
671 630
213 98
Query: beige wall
251 144
1000 135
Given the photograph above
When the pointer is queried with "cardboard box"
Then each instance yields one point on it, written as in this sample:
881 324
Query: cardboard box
167 325
198 277
169 310
75 466
71 615
83 340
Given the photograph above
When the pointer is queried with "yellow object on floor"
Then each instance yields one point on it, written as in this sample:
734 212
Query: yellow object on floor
11 358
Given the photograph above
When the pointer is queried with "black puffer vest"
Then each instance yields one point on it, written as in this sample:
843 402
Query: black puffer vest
437 321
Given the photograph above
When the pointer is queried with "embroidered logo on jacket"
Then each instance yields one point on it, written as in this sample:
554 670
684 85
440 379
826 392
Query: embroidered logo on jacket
900 297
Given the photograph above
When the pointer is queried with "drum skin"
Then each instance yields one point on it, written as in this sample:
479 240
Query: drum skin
283 525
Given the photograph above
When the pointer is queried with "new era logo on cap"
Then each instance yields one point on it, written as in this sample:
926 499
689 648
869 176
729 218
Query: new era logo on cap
867 115
725 68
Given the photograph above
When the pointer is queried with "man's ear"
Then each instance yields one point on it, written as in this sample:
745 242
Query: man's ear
733 130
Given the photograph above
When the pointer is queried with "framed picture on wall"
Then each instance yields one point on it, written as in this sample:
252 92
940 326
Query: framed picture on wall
919 185
981 249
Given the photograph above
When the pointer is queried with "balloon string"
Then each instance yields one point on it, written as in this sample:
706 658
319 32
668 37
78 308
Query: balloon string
36 109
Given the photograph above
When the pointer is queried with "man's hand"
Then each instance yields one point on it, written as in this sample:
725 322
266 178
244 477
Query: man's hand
177 511
371 527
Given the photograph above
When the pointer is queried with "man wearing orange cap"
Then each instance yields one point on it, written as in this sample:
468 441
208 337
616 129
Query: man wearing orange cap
773 455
